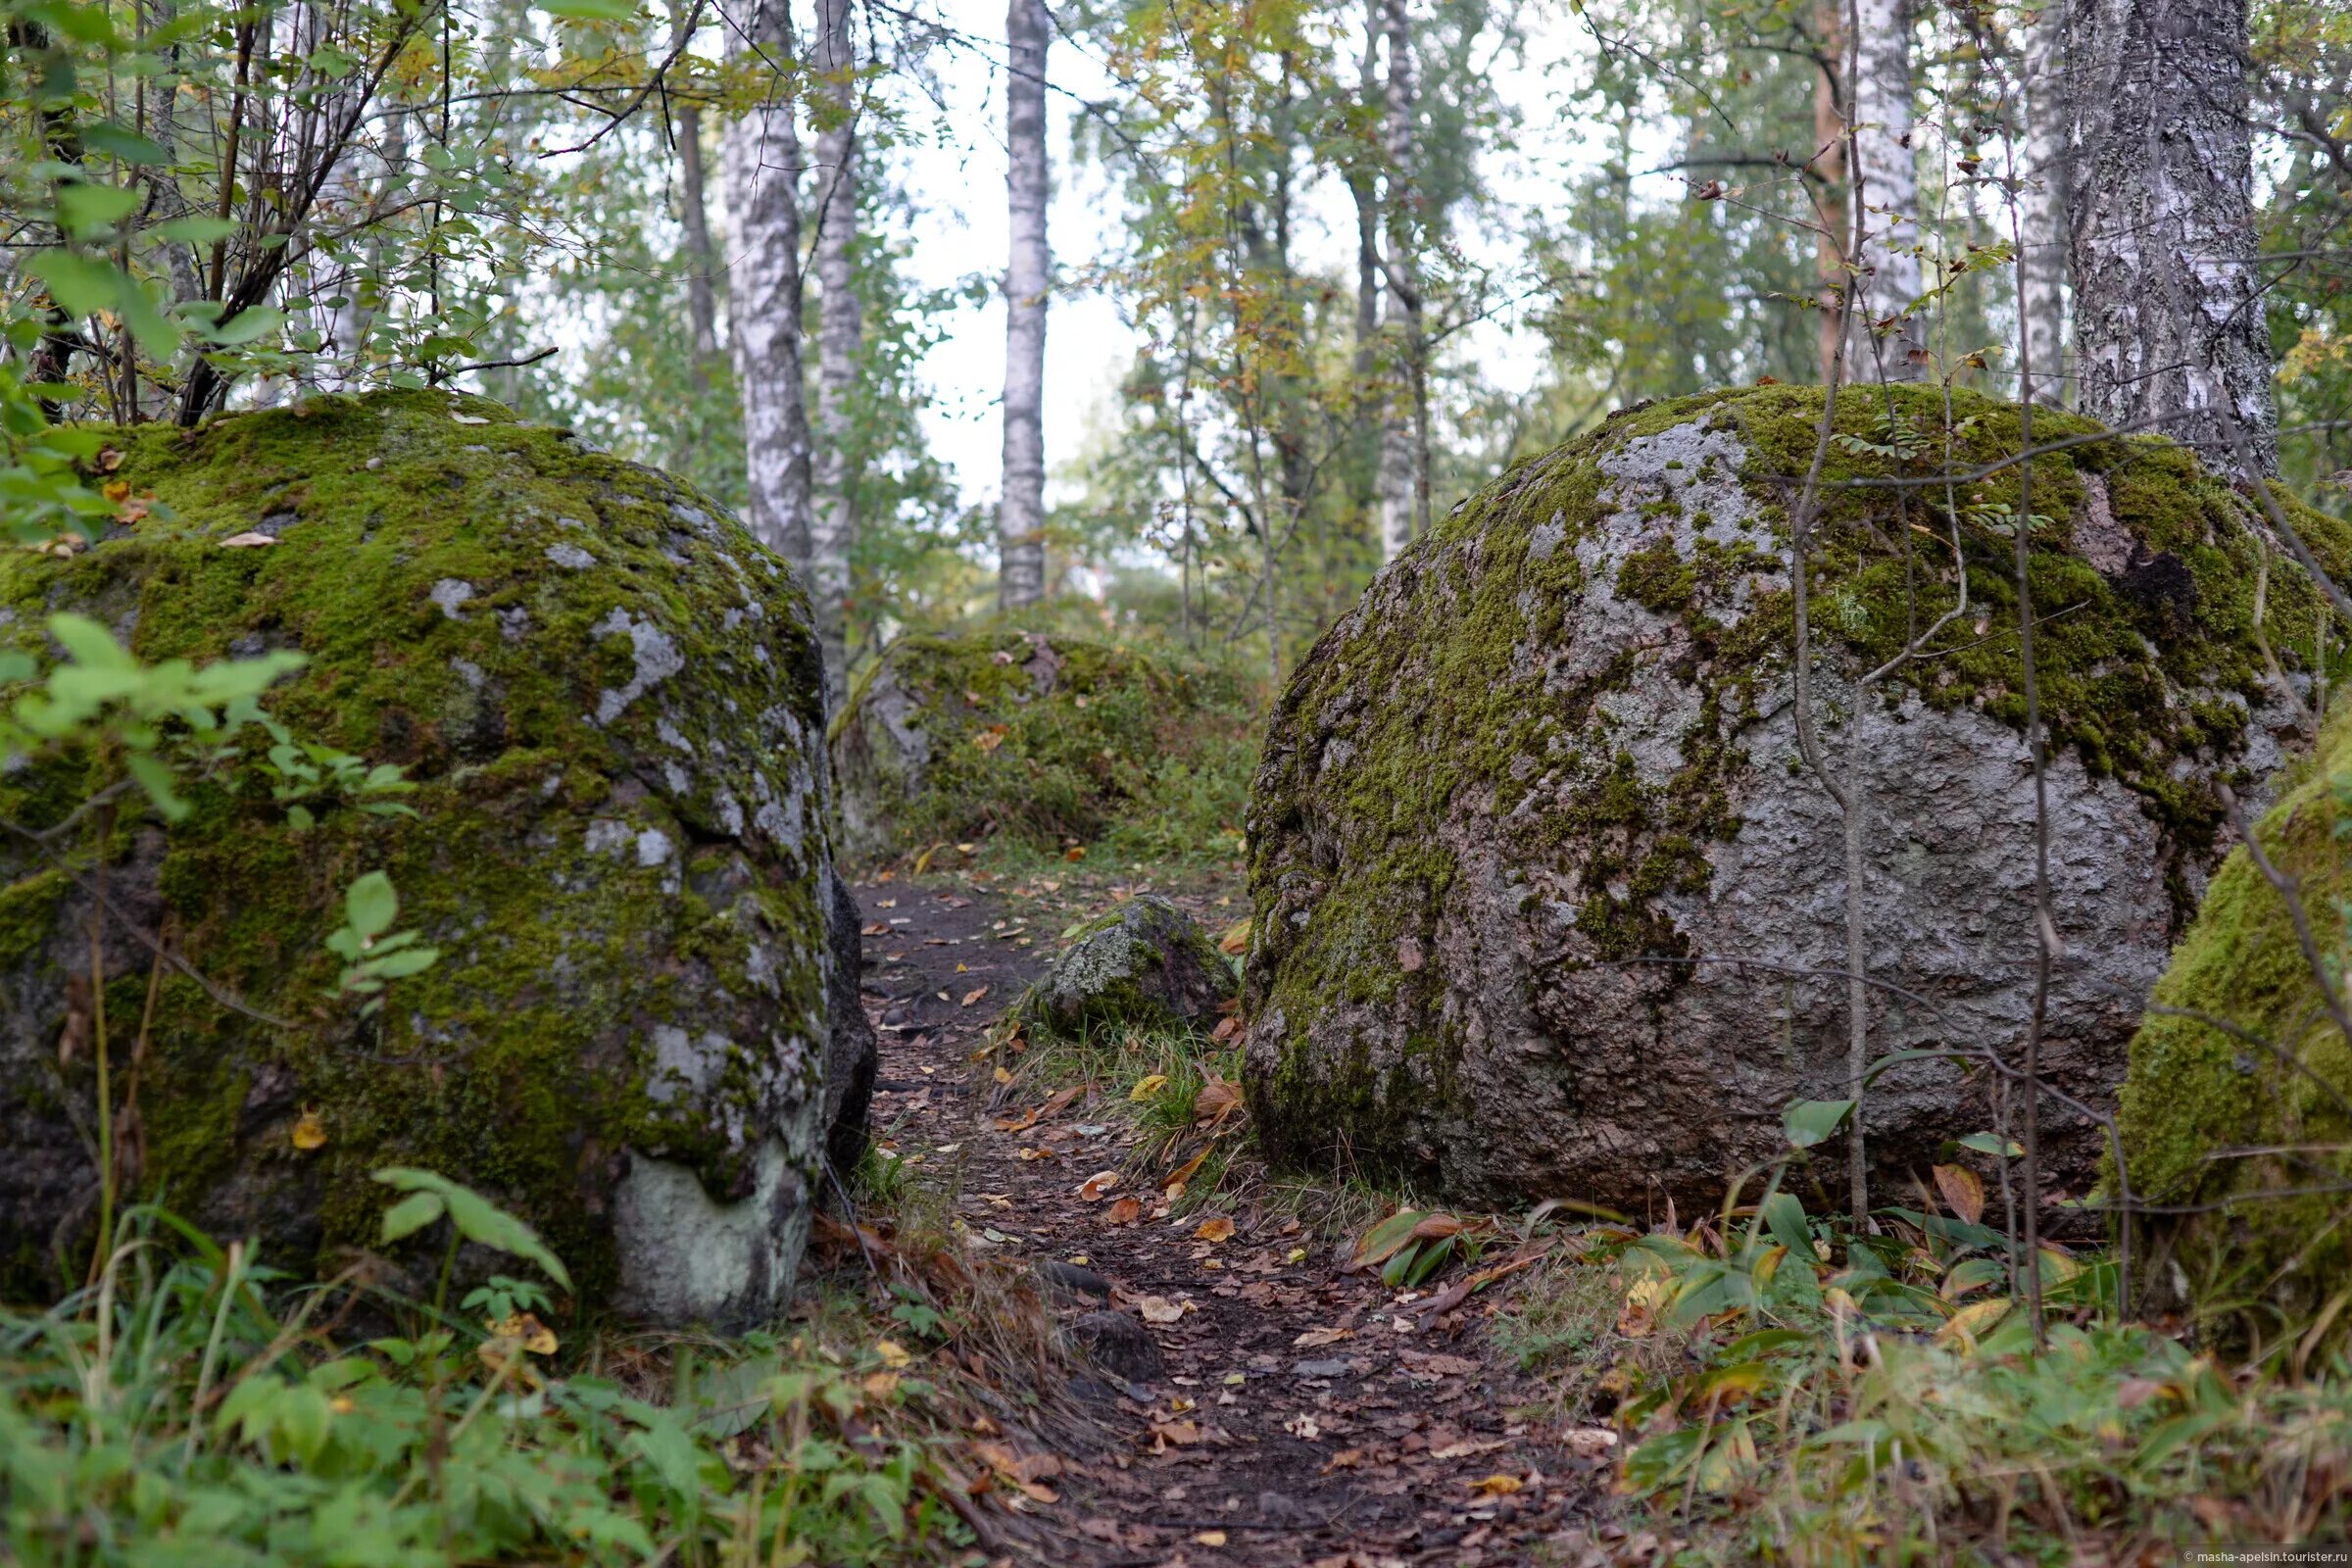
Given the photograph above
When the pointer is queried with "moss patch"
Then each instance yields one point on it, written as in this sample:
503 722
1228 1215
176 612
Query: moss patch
2253 1102
609 696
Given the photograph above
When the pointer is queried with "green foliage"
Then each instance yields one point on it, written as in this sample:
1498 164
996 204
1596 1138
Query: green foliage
1087 740
192 1410
1772 1397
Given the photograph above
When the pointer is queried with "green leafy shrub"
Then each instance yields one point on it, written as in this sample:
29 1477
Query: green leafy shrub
191 1408
1044 740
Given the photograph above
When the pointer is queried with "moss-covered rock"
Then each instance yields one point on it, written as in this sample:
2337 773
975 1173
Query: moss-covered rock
1548 903
1041 736
1143 964
2239 1106
609 699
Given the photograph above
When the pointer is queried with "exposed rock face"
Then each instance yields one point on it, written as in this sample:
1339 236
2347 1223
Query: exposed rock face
2275 1083
1042 736
1143 964
642 1033
1524 805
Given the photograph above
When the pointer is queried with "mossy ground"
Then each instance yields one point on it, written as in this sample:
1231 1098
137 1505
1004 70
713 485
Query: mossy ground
1145 744
492 607
2239 1113
1442 662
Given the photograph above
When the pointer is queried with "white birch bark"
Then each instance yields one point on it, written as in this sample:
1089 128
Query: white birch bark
1887 174
760 165
2168 304
2041 204
1028 274
833 526
1398 509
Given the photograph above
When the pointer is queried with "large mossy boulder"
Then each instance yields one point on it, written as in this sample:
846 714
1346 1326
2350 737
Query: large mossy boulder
2236 1118
609 699
1547 904
1042 736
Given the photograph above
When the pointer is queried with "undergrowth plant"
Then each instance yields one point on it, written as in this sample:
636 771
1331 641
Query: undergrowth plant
1788 1388
192 1408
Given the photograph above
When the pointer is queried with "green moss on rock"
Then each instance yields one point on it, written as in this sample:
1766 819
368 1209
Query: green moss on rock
1041 736
609 696
1503 792
1142 965
2239 1091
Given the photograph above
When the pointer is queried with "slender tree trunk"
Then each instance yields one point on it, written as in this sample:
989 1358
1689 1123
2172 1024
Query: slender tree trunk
1398 445
833 528
2042 205
1028 276
762 163
1887 174
2168 304
1829 163
694 220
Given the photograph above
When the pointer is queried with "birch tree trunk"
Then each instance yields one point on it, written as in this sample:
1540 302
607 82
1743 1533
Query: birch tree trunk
1399 478
694 221
1028 274
833 528
760 158
1829 163
2169 323
1887 181
2042 205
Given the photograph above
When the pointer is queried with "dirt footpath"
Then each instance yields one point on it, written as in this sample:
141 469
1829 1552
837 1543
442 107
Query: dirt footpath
1273 1409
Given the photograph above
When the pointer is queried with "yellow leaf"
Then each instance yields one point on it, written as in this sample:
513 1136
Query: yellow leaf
892 1353
310 1132
1962 1191
1236 939
246 541
1146 1088
1974 1319
1496 1486
1215 1230
1206 1537
1160 1310
526 1329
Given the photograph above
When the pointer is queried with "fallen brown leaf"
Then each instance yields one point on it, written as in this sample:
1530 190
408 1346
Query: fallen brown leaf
1160 1310
1126 1212
1095 1186
1220 1229
970 997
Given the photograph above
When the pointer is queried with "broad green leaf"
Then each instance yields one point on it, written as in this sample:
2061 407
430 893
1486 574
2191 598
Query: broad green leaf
89 642
1993 1144
410 1215
195 230
246 326
1784 1219
81 285
371 905
107 140
477 1219
1809 1121
85 208
590 10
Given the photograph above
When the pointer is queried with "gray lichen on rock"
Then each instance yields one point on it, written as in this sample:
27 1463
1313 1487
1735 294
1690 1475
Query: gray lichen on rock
1548 903
1143 964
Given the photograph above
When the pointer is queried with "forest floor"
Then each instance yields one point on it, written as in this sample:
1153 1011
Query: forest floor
1286 1409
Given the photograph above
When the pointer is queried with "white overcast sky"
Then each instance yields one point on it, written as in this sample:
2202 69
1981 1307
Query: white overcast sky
954 173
